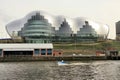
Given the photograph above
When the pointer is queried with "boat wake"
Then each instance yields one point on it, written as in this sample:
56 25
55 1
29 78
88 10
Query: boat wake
61 63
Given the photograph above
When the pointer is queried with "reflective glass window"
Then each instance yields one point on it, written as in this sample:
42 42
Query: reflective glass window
49 51
43 51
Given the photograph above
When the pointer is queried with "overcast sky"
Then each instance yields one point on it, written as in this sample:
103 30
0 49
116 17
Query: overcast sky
104 11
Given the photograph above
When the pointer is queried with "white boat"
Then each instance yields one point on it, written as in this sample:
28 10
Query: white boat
62 63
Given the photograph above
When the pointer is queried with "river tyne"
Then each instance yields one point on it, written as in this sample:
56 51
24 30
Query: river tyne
50 70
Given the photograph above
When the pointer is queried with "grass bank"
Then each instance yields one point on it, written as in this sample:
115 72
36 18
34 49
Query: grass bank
86 48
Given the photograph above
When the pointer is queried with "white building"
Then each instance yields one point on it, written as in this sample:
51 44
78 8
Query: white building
26 49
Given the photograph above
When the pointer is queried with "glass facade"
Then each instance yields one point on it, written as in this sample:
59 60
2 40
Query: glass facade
36 30
43 51
49 51
0 52
36 51
64 33
87 33
64 30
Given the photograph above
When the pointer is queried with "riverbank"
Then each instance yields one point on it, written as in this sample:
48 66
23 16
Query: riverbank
86 48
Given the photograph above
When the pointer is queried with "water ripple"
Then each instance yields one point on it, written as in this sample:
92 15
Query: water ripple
96 70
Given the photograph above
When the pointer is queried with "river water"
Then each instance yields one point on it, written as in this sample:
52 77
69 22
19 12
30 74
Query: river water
75 70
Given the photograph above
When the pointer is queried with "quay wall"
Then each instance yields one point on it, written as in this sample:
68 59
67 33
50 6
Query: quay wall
50 58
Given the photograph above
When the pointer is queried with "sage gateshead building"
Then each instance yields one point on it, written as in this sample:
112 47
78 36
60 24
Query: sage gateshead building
39 27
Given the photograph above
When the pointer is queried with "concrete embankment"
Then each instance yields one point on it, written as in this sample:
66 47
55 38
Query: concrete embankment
51 58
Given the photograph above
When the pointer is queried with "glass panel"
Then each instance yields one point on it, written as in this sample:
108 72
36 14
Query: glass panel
43 51
37 51
49 51
0 52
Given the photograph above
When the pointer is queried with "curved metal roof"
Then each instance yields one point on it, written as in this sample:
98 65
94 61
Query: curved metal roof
75 23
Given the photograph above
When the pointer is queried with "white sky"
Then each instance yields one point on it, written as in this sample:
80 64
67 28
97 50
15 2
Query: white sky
104 11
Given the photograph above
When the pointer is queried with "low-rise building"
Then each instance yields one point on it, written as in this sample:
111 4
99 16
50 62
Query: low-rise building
26 49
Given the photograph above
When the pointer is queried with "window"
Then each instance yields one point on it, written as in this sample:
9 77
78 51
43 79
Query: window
43 51
0 52
49 51
37 51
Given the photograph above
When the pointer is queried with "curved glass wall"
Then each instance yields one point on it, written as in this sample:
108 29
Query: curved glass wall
87 32
64 30
37 27
64 33
36 30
